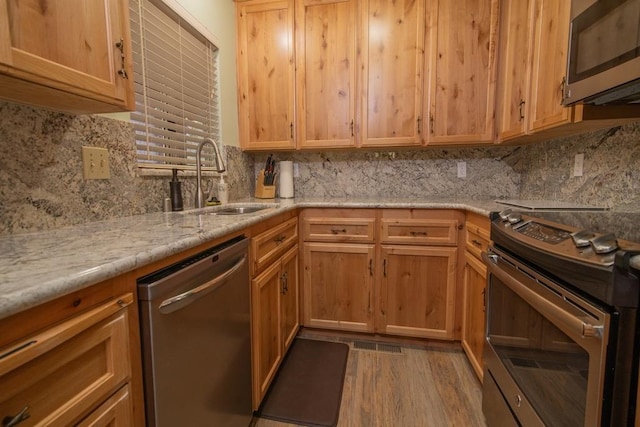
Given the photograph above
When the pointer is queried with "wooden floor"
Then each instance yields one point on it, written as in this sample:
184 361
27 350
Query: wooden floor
415 388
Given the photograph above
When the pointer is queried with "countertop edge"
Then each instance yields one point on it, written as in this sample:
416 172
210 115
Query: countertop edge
28 297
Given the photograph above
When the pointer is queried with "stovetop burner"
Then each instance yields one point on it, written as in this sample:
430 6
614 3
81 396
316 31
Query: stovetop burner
587 250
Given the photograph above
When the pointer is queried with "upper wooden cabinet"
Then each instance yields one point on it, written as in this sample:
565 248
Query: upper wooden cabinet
326 73
513 69
392 72
461 62
266 76
534 38
67 55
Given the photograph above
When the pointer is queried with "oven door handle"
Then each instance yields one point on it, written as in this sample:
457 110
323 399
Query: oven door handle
545 307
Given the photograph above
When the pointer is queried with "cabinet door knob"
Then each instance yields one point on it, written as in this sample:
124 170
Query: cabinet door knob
10 421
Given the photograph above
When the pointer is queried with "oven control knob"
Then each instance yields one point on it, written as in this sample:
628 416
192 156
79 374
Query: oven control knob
582 238
504 215
514 218
605 243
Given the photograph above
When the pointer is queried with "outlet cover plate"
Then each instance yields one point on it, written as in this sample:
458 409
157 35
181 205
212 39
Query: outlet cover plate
95 163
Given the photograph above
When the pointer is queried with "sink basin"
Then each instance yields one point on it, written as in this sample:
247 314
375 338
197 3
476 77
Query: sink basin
233 209
239 210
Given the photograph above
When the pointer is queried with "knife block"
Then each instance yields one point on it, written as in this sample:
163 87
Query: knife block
264 191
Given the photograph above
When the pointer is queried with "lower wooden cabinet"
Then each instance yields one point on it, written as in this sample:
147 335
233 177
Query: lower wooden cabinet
274 311
474 314
64 373
338 286
115 412
417 291
394 274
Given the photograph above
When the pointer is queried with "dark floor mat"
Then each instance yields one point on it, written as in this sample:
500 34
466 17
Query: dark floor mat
308 387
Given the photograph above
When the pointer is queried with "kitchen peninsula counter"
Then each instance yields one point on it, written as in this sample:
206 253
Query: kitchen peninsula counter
41 266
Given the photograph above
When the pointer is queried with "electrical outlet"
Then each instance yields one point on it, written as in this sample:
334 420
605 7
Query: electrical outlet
296 171
462 169
95 163
578 165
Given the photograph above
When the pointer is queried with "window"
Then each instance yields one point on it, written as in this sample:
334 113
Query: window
176 85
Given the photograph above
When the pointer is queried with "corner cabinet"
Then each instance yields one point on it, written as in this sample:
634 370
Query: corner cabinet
265 59
461 59
67 55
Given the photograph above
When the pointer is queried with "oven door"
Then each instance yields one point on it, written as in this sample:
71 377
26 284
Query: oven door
547 348
604 51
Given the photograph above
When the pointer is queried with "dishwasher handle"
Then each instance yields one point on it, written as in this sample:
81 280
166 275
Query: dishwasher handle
179 301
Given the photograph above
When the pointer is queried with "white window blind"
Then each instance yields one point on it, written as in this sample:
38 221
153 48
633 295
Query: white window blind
176 84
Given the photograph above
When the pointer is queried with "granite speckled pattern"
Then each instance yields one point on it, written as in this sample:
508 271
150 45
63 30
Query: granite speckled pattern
38 267
611 175
41 182
420 173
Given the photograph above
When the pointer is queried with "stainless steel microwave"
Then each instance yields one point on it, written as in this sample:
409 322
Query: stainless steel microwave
604 52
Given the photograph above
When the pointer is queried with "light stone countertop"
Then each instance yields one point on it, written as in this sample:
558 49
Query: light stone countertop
38 267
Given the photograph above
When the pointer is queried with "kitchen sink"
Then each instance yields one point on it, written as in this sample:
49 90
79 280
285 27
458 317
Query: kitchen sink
233 209
239 210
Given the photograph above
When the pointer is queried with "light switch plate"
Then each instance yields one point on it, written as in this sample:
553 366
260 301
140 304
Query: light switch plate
95 163
578 165
462 169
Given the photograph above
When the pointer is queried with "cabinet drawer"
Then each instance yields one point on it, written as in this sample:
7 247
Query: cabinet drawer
339 225
477 240
415 231
66 371
268 246
477 235
115 412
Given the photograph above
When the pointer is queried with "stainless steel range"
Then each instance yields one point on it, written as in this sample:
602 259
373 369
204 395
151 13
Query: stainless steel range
562 319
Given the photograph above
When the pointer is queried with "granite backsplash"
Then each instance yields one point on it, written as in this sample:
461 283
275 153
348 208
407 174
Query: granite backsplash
41 183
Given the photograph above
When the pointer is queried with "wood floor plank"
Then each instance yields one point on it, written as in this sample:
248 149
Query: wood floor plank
417 388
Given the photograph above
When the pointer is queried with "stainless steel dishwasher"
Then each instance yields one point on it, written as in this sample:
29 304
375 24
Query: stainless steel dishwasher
196 338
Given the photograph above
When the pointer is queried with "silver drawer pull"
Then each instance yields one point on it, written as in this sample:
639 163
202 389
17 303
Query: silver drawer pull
10 421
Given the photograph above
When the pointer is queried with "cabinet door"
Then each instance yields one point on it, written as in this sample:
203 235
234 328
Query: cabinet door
266 339
69 45
513 69
392 54
338 285
326 73
290 318
417 291
474 306
265 74
550 65
462 69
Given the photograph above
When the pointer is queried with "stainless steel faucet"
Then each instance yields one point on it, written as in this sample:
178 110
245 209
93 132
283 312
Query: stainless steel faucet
220 167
